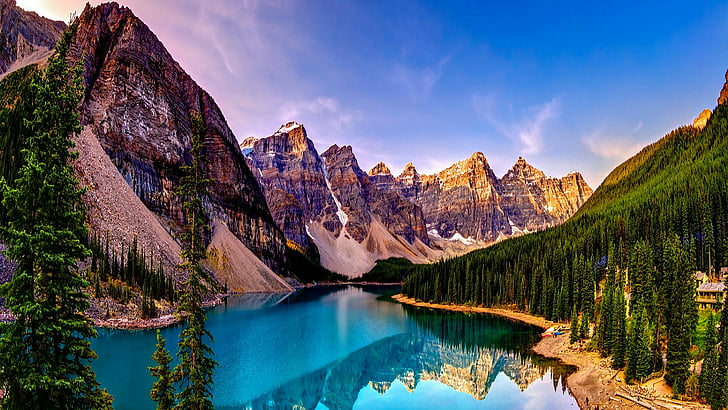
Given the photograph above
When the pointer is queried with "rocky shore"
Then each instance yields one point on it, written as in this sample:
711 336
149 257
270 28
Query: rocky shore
594 384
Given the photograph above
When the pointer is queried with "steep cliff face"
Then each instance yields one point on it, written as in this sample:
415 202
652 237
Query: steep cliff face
292 175
463 201
138 103
723 97
534 201
467 203
25 37
327 205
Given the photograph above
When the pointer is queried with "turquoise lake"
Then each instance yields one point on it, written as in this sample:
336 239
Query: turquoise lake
347 347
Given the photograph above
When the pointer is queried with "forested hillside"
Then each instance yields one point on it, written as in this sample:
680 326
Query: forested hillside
625 260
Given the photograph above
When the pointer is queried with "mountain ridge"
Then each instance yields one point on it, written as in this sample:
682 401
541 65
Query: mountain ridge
420 217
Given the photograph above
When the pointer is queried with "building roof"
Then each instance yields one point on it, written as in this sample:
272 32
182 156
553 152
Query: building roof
711 287
724 270
699 275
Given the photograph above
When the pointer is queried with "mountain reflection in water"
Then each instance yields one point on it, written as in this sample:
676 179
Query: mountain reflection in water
466 352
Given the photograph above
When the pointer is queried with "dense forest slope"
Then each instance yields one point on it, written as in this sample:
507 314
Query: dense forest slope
624 262
676 185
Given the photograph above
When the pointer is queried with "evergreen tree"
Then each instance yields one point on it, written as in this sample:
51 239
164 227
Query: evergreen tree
574 326
641 278
709 370
718 397
196 366
45 354
163 388
639 362
682 313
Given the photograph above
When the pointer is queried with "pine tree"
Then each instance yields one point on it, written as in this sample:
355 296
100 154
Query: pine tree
618 327
574 325
162 389
45 354
681 315
196 366
709 370
639 362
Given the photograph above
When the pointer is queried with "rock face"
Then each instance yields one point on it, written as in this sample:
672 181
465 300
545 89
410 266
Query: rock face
463 201
25 37
723 97
138 103
534 201
292 175
467 202
329 207
702 120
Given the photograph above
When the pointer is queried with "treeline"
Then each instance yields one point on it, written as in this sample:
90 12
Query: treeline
390 270
16 104
625 261
128 268
304 269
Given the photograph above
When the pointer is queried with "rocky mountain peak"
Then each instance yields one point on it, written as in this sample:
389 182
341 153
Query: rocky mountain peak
723 98
248 143
343 155
409 169
27 38
380 169
478 158
137 107
523 170
290 127
702 119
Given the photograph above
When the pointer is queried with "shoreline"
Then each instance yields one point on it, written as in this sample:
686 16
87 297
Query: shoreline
594 384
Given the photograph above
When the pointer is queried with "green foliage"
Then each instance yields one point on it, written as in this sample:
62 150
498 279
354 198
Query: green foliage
306 270
639 361
574 335
163 388
681 312
132 267
195 370
45 354
708 375
673 193
16 105
392 270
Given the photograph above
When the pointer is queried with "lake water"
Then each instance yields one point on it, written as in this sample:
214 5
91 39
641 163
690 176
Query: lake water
347 348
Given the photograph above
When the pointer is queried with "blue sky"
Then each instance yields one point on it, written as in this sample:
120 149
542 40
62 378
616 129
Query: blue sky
568 85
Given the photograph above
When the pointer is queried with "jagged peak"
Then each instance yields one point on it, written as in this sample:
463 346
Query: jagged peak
249 142
478 156
702 120
380 169
522 169
288 127
409 169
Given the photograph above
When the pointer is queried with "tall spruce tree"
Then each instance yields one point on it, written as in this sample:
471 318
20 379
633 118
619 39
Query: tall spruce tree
163 388
45 354
709 370
639 355
681 313
719 395
196 366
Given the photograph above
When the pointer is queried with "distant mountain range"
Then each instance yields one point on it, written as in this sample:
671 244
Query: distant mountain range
277 194
327 205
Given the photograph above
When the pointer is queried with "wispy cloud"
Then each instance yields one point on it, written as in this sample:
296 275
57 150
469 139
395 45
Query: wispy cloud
419 82
327 116
609 147
527 128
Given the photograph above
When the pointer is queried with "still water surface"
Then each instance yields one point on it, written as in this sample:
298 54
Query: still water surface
343 348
